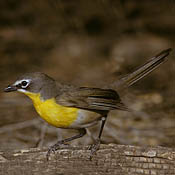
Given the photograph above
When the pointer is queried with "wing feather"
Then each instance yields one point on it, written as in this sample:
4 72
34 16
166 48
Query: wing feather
91 99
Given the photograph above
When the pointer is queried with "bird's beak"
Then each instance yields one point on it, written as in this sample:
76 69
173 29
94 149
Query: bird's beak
10 88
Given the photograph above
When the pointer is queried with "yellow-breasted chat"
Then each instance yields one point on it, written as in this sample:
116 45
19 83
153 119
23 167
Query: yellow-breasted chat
71 107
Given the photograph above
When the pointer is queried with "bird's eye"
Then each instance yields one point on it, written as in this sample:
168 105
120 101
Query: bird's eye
24 83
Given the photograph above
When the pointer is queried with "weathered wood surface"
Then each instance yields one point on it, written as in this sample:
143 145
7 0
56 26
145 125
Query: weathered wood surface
110 159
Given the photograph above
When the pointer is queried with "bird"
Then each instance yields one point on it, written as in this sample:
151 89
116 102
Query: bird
73 107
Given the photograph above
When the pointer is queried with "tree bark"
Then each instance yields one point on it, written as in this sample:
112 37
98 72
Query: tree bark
110 159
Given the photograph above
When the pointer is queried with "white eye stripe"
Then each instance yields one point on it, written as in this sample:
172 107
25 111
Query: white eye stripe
20 81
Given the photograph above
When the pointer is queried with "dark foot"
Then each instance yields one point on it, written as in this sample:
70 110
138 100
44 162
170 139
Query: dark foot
94 147
54 148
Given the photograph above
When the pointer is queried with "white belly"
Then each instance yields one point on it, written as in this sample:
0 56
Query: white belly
85 119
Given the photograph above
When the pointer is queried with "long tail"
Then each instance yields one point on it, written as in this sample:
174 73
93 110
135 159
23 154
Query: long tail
142 71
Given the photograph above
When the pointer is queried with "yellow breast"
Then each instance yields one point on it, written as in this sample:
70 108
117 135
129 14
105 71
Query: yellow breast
52 112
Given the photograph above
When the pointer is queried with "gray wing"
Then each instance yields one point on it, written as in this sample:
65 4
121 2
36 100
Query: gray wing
95 99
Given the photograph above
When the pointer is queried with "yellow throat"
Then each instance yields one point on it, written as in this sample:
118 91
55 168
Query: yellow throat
52 112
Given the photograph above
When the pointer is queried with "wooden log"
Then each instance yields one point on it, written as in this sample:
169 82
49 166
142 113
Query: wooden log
110 159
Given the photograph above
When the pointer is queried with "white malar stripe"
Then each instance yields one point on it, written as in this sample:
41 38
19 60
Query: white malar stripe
22 90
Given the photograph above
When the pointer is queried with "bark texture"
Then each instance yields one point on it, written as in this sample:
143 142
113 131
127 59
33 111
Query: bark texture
110 159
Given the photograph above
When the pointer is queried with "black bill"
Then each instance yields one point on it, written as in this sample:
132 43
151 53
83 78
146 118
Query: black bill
10 88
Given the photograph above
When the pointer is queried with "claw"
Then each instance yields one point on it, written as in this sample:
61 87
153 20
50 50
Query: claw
94 147
54 148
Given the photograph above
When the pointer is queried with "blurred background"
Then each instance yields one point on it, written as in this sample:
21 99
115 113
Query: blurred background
88 43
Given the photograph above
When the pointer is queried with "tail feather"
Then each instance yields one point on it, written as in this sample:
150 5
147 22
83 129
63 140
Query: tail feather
142 71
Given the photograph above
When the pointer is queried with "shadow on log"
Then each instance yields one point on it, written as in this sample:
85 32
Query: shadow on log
110 159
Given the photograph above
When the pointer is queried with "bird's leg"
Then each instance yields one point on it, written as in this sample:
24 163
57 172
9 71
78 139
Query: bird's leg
55 147
94 147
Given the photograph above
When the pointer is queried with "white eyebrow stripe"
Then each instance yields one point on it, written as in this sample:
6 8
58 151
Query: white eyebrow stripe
19 81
